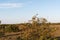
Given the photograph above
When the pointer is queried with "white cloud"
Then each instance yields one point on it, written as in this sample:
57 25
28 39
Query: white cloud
10 5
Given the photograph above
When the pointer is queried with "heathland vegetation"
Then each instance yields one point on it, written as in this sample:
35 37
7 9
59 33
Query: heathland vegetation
37 29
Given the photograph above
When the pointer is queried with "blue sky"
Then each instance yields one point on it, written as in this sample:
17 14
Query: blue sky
17 11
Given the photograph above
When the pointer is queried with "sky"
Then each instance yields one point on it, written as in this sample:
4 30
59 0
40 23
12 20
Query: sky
19 11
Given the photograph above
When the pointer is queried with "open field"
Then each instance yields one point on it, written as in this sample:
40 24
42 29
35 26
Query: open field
22 30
